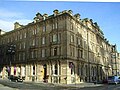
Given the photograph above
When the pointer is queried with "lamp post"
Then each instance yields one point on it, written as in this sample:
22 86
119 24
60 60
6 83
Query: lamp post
10 53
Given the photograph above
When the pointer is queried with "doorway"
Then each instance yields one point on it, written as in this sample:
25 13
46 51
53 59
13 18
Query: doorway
45 73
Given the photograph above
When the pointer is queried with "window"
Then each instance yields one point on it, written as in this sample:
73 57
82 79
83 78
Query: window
43 52
24 45
43 40
16 36
20 46
20 35
8 40
82 69
32 54
72 67
86 70
78 41
72 38
54 38
35 54
71 26
33 69
59 37
72 51
44 28
25 34
55 51
55 25
19 56
59 50
56 69
23 56
34 31
33 42
81 53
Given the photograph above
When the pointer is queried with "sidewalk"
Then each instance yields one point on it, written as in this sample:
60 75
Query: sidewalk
80 85
2 87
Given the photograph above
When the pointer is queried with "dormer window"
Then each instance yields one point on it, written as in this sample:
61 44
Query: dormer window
55 12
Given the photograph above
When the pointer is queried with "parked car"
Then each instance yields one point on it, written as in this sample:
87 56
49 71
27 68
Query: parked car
15 78
113 79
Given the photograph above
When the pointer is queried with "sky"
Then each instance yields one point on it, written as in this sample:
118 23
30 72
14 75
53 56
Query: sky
106 14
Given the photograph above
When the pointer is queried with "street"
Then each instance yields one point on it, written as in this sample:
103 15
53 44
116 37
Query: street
7 85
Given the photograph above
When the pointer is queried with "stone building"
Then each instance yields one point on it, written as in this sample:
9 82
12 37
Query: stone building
115 61
60 48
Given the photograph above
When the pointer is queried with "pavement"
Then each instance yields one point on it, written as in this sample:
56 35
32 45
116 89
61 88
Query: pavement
80 85
2 87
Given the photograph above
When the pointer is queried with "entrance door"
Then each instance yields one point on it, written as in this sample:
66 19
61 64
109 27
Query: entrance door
45 72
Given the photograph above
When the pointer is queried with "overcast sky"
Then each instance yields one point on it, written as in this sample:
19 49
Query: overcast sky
107 15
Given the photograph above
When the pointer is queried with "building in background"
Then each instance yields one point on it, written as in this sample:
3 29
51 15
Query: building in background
60 48
115 60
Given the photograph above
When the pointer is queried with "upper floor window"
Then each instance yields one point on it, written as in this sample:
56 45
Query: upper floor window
32 54
72 38
54 38
43 40
24 45
55 25
43 52
35 53
81 53
71 26
20 35
24 56
33 43
20 46
55 51
44 28
78 41
34 31
19 56
8 40
25 34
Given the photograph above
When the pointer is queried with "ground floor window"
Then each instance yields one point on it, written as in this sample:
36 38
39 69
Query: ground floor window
56 69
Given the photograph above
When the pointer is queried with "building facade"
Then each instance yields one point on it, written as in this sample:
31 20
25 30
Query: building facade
60 48
115 60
